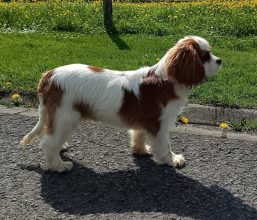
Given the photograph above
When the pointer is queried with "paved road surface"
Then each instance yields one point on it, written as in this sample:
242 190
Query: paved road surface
107 182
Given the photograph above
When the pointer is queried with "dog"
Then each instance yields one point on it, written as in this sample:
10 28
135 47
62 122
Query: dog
147 101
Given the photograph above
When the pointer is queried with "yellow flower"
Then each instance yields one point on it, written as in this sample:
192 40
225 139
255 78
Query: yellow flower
8 83
15 97
183 119
224 125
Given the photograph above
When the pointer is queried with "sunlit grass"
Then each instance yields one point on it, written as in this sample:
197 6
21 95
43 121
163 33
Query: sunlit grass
227 18
25 56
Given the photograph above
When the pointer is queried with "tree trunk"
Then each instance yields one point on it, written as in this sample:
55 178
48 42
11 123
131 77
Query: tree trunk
107 7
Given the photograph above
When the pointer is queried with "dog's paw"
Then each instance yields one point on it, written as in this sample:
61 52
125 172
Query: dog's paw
171 159
142 151
148 149
177 160
65 166
60 167
65 146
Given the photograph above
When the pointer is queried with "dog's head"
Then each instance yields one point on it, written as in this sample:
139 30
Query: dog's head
190 61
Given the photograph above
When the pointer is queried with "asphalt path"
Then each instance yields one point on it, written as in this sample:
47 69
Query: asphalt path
219 180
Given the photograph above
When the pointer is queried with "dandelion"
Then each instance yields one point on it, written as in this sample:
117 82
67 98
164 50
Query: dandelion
224 126
183 119
8 83
16 98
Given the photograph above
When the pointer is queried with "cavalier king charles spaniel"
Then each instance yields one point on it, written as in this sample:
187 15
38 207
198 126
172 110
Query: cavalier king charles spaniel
147 101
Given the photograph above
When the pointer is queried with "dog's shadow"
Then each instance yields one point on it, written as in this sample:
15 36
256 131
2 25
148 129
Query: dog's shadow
150 188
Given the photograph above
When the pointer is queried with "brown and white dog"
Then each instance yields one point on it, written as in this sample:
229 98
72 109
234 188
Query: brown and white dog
147 100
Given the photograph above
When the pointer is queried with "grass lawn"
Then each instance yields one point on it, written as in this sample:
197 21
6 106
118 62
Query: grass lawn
24 56
219 17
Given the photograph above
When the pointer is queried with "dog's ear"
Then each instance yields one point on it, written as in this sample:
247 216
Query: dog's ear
184 65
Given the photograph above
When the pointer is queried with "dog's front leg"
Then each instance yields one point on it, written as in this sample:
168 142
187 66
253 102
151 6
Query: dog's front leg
161 150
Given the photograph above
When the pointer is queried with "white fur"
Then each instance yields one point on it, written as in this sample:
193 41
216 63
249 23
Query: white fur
212 67
104 93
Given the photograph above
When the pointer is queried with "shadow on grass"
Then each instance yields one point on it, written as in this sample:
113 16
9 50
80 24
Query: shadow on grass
151 188
115 37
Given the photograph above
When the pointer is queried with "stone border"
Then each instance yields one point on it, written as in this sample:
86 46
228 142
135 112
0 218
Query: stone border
201 114
215 132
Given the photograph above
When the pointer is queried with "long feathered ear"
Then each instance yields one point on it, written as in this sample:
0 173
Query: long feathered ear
184 65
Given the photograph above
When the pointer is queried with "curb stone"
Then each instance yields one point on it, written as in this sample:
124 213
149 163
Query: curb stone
188 129
200 114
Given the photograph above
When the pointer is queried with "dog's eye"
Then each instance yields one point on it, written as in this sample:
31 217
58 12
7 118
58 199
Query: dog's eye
206 56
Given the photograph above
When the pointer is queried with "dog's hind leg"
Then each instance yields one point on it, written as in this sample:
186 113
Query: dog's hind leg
27 139
138 146
65 121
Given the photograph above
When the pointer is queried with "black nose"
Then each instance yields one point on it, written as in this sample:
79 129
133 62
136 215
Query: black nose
219 61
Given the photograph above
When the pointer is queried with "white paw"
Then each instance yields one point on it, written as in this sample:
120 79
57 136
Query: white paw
177 160
148 149
65 166
65 146
60 167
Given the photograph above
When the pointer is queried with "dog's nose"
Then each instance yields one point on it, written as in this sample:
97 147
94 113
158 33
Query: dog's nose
219 61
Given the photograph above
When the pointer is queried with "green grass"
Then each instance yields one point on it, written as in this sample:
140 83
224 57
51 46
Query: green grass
24 56
245 125
220 18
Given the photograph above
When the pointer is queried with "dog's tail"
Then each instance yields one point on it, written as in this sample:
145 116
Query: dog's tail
36 131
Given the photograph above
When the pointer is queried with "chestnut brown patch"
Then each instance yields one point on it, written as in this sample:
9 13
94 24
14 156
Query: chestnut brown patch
52 96
96 69
85 110
184 63
44 82
205 56
144 111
